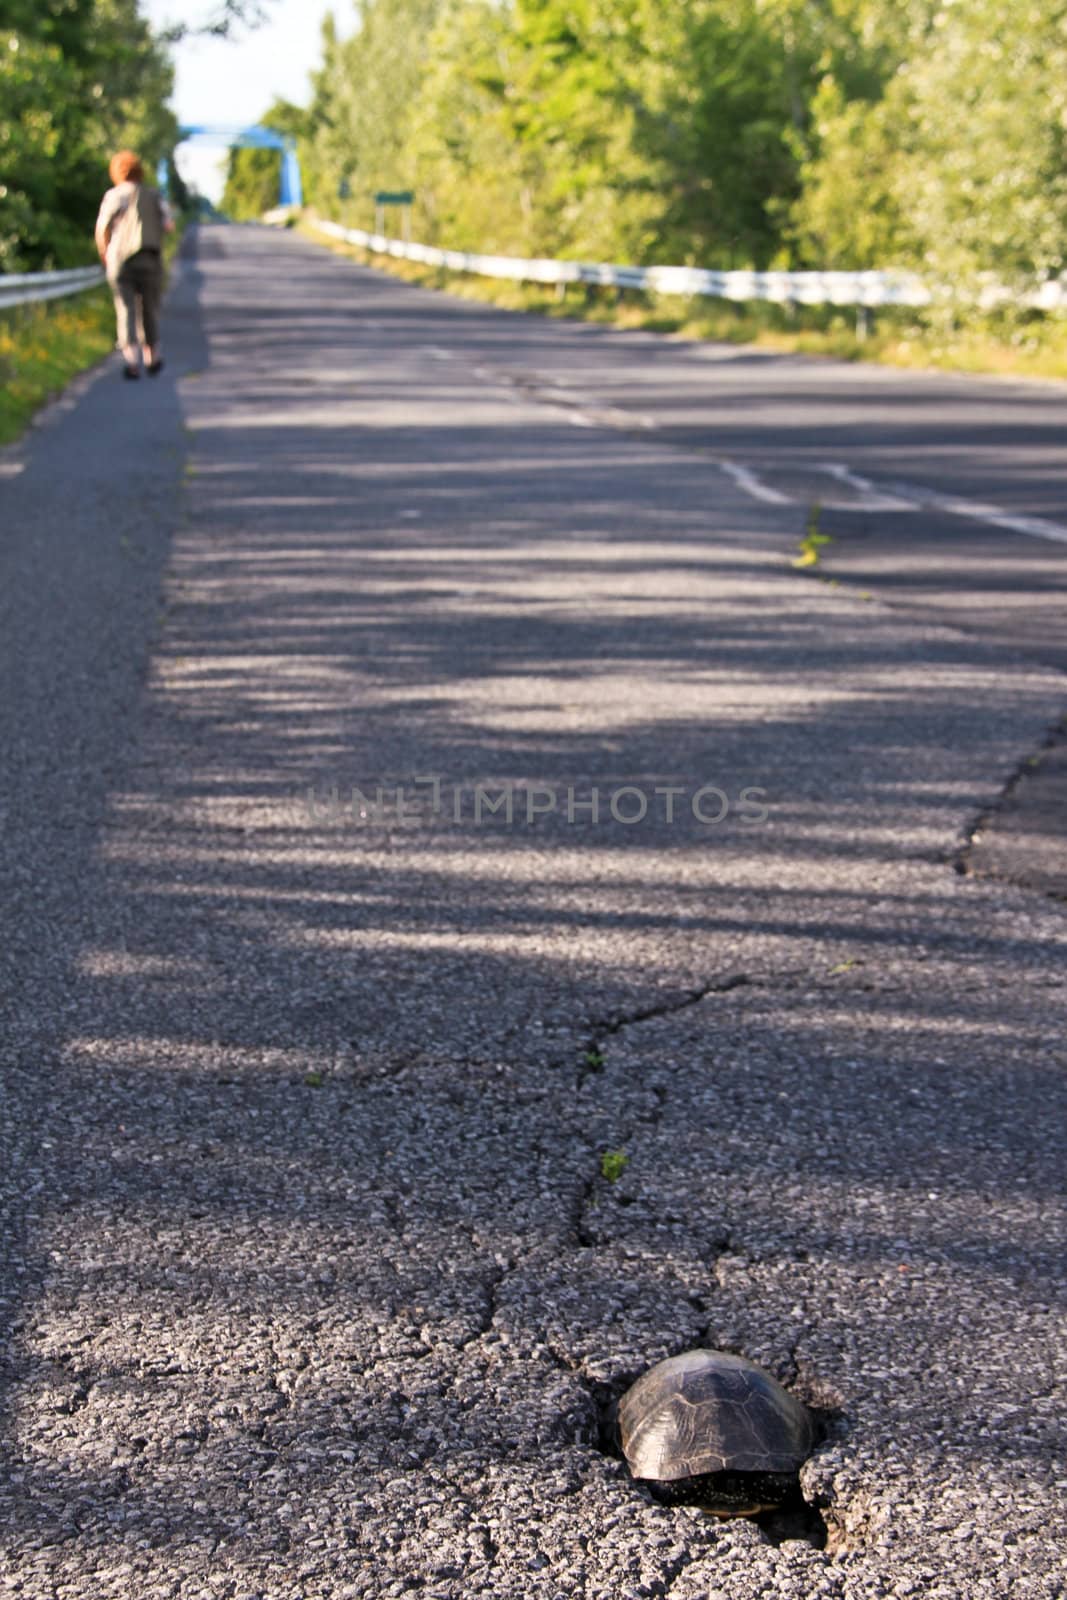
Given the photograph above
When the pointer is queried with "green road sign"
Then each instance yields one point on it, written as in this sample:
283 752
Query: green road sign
397 197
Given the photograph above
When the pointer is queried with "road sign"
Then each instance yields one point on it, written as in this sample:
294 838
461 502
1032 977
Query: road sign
393 197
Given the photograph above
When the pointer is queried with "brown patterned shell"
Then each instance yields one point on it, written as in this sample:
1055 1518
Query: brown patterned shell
707 1411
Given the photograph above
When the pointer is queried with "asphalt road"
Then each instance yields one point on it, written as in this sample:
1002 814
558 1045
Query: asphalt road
312 1285
926 483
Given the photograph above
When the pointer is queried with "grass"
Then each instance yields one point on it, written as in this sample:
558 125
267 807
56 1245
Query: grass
613 1163
813 540
43 346
1036 348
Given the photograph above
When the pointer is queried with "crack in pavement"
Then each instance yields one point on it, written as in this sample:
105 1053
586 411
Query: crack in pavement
670 1008
361 1235
609 1029
1023 829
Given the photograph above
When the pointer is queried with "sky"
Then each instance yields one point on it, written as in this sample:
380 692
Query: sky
229 81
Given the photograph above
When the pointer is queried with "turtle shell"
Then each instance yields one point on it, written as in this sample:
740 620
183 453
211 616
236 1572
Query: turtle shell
710 1412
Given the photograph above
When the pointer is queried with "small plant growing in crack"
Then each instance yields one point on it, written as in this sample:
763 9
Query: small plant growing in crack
594 1060
613 1163
812 541
314 1080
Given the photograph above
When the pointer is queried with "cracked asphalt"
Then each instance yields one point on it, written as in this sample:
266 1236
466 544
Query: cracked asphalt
311 1284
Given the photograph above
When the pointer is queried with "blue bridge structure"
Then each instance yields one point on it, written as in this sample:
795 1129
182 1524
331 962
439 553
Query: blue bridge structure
253 138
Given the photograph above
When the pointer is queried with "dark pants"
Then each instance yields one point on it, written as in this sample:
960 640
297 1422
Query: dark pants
138 289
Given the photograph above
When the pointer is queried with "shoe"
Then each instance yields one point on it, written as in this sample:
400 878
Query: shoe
156 368
131 374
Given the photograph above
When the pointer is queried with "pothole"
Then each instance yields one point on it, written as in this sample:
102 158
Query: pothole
795 1520
606 1397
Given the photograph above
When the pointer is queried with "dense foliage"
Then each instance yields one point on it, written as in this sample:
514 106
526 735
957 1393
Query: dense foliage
828 133
78 79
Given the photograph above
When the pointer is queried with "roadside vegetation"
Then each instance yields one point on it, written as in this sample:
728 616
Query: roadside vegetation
913 134
46 344
43 346
78 80
926 135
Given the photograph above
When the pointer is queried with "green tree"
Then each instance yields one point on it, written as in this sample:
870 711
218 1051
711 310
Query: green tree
78 78
985 185
36 87
955 162
828 133
363 101
849 214
478 183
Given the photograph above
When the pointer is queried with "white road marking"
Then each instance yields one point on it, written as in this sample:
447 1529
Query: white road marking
910 497
873 499
747 480
904 497
997 517
907 496
11 469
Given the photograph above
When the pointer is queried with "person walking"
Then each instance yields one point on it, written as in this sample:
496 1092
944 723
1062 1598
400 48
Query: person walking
129 238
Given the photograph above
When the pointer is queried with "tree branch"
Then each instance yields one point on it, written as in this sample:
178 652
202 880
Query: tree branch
227 18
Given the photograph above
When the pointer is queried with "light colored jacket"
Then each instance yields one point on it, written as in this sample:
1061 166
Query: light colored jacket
132 217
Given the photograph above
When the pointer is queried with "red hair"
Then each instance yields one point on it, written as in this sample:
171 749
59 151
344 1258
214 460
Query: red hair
126 168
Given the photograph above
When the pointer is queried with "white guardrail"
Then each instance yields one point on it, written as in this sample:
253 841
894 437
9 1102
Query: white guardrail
786 288
800 288
23 288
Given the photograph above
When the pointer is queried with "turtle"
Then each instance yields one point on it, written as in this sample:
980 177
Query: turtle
711 1429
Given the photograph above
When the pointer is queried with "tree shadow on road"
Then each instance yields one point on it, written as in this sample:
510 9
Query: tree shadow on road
319 1205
